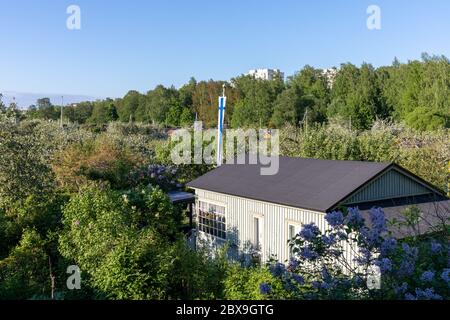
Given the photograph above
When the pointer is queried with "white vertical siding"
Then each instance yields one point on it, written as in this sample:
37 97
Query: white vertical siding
239 220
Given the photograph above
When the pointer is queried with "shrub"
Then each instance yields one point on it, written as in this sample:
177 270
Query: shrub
25 272
411 268
255 283
120 241
100 159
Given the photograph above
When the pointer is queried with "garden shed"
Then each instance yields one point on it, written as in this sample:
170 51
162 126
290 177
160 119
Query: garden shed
258 213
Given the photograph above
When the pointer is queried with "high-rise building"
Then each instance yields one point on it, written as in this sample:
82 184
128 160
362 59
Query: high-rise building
330 75
266 74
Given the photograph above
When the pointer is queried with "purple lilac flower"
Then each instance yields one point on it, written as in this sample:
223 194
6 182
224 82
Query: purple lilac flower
378 220
410 251
354 217
277 269
427 294
406 267
325 274
309 231
293 264
264 288
436 247
388 246
364 256
358 281
315 284
409 296
445 275
341 235
308 253
329 240
371 236
325 285
298 278
335 218
427 276
402 289
385 265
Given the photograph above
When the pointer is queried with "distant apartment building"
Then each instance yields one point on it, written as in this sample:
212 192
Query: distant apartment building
330 75
266 74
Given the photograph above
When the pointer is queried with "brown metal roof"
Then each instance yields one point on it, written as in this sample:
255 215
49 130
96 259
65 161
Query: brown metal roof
300 182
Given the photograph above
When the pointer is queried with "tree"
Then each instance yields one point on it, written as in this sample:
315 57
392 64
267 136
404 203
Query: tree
313 87
426 119
115 241
79 113
173 115
25 272
104 112
2 106
128 106
158 103
355 96
256 104
46 110
287 108
206 100
23 170
186 93
186 119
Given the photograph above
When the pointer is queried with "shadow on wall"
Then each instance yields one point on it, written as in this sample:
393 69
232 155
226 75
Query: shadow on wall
244 253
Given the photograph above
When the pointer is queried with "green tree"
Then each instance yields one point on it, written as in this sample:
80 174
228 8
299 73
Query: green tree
287 108
186 118
355 96
79 113
104 111
255 107
114 239
159 101
173 115
128 106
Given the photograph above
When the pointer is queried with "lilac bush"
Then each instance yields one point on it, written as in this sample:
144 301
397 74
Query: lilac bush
166 177
339 263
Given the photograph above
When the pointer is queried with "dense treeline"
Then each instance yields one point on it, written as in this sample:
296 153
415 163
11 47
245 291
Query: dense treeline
417 93
97 199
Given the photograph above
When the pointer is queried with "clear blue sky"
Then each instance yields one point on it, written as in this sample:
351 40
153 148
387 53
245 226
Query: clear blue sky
125 45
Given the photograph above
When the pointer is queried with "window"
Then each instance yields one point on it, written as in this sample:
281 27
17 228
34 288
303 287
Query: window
211 219
256 241
258 233
293 230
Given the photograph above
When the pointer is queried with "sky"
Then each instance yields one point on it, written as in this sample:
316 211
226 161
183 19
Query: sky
124 45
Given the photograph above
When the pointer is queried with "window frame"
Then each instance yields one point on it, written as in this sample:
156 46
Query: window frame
297 227
215 226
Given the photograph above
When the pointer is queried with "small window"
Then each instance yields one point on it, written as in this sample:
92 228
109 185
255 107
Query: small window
256 239
293 230
258 233
211 219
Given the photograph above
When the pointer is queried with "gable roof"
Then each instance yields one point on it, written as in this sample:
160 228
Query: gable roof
312 184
